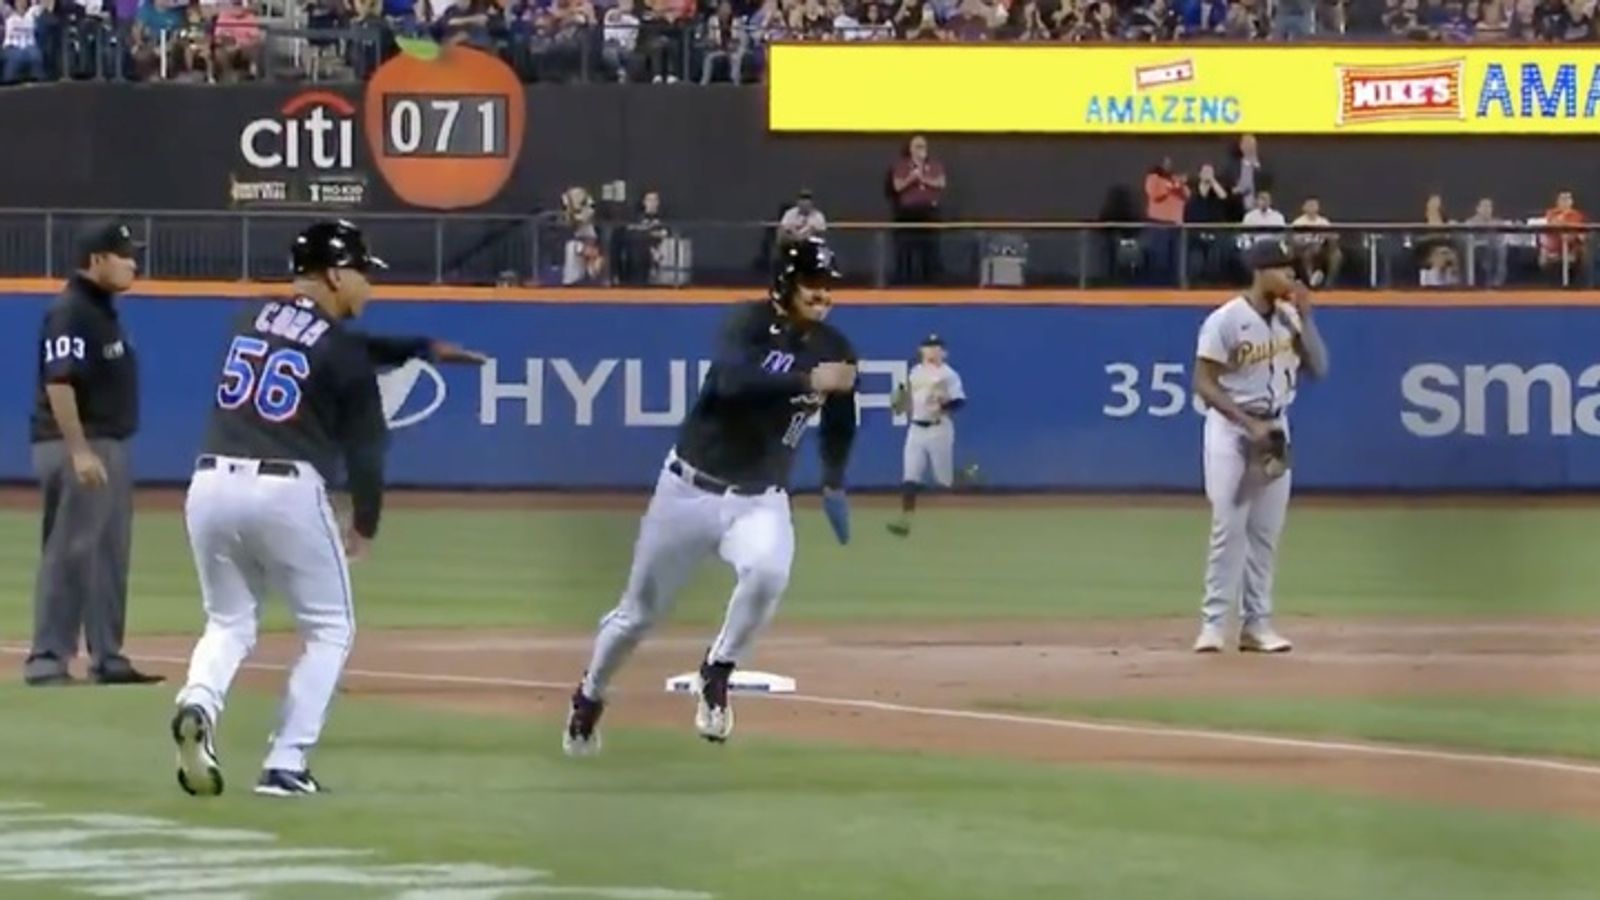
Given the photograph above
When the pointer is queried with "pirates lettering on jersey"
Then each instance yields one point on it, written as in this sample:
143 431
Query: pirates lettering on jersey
1257 351
1249 353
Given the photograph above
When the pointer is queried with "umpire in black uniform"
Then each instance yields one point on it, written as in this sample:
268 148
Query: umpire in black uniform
85 409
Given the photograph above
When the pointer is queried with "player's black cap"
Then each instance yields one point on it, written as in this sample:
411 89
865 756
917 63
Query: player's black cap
106 236
332 244
932 340
808 261
1268 254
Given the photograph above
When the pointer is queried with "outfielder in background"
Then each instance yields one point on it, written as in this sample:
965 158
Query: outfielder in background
724 487
1248 361
931 394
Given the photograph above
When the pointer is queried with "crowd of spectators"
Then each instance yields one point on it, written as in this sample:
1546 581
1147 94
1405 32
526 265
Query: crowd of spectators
1178 226
209 40
1244 195
686 40
669 41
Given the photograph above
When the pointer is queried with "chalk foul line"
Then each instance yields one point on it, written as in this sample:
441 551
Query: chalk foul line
1239 738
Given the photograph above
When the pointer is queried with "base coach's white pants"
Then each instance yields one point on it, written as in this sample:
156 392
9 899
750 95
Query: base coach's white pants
252 532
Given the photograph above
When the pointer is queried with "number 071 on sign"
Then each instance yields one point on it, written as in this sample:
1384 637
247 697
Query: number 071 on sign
444 124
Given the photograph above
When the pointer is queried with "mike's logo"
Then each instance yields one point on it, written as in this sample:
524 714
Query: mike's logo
1165 75
1401 92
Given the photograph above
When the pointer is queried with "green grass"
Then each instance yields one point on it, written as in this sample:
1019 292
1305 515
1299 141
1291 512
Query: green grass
463 569
770 820
765 820
1553 726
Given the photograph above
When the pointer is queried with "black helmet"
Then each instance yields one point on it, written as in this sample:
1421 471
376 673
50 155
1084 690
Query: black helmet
806 260
332 245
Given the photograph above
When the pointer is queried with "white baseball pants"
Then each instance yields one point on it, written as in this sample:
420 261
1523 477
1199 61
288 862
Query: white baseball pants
684 524
250 533
1247 518
930 448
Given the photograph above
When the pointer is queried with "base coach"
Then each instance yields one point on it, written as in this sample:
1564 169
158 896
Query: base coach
85 410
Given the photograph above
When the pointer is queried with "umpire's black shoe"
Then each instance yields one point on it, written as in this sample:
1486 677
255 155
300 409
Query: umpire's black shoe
127 675
46 670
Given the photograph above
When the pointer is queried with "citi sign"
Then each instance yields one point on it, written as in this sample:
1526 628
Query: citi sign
315 129
539 390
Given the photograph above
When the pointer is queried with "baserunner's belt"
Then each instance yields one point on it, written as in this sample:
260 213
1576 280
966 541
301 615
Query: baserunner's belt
712 484
275 468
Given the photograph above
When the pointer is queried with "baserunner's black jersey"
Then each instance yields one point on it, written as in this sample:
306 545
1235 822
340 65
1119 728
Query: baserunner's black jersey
756 402
298 384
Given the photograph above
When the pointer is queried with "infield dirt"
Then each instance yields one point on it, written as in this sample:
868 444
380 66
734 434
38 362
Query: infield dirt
944 688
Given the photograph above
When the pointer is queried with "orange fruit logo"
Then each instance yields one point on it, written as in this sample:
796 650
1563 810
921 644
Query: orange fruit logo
444 124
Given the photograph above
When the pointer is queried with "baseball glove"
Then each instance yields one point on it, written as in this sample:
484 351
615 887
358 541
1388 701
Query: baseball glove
900 400
1273 456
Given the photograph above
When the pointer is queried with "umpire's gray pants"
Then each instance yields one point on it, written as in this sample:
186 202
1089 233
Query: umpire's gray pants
83 569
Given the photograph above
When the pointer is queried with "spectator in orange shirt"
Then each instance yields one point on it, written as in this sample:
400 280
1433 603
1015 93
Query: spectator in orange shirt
1564 252
1165 193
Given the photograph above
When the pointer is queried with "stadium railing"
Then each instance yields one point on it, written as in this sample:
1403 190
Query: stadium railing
547 251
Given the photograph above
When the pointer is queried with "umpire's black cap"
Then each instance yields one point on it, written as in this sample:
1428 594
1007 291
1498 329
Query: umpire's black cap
1268 254
332 244
106 236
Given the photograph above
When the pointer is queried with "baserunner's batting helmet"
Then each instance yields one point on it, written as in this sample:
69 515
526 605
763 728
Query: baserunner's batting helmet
806 261
332 244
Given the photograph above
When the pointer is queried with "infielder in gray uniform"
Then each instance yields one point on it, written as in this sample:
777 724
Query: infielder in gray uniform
931 393
1248 360
86 408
